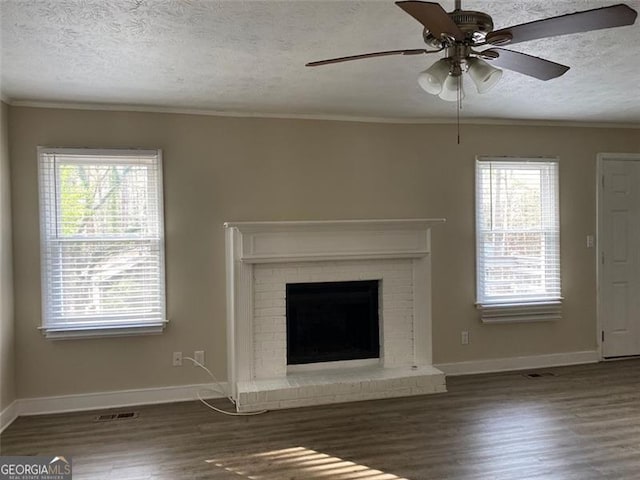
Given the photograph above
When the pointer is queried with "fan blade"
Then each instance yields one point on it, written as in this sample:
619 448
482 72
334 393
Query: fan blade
528 65
596 19
415 51
433 17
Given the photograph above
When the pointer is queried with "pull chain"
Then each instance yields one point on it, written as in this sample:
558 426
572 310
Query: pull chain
459 105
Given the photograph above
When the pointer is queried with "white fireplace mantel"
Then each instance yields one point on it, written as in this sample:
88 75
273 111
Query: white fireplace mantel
264 242
299 245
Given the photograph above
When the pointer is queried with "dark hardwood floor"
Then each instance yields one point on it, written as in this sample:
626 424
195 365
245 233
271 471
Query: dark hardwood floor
583 423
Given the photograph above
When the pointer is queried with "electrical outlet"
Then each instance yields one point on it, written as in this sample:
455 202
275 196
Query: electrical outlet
198 356
177 359
464 337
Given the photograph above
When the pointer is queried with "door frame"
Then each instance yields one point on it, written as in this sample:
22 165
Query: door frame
600 161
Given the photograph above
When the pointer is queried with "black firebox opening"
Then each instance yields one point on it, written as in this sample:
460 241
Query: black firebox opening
332 321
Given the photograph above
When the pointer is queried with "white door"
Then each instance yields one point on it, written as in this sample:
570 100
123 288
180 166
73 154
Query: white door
619 238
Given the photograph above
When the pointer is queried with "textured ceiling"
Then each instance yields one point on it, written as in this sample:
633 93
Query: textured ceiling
249 57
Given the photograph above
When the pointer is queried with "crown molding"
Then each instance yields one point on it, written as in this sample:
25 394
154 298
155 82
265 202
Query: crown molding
328 117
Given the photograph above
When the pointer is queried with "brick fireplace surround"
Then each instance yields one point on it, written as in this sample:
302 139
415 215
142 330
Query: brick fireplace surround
262 257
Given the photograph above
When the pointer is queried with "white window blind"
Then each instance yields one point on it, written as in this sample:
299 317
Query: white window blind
102 241
518 237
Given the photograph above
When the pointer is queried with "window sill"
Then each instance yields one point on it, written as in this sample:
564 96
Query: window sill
520 312
67 332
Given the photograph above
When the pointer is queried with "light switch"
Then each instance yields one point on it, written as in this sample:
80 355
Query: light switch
590 241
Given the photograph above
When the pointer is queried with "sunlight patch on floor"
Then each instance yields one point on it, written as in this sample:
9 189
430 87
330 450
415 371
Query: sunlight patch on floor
297 463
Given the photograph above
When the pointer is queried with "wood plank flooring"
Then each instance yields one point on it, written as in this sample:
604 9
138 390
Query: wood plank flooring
583 423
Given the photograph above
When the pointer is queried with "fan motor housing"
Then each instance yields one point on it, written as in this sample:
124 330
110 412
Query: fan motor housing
475 26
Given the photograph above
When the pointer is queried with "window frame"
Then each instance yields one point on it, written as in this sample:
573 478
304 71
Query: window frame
501 310
97 328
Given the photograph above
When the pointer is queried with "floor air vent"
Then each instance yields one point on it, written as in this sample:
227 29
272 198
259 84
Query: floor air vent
116 416
538 375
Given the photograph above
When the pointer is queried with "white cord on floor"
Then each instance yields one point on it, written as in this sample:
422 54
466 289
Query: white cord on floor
220 392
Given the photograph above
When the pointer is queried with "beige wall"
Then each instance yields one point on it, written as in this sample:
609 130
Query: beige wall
7 334
230 169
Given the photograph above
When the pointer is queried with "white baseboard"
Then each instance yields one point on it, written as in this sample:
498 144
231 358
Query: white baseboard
519 363
147 396
8 415
102 400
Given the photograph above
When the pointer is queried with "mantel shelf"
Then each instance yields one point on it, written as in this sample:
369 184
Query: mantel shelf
364 224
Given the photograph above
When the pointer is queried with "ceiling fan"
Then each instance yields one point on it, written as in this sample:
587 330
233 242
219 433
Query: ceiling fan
460 32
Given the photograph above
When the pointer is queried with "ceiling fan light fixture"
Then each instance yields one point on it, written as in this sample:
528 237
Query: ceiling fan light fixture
450 88
433 78
483 75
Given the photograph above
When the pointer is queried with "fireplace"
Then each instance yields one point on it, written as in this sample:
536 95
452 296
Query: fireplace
332 321
385 268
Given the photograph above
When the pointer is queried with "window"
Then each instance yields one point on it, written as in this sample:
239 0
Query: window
517 239
102 240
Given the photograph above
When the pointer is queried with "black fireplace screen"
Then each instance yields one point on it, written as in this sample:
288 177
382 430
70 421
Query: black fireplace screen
332 321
